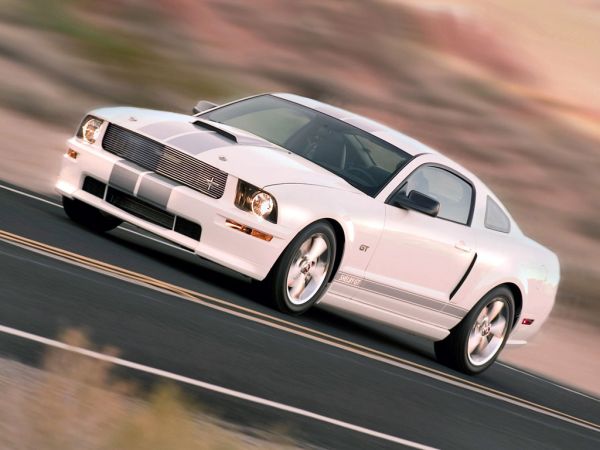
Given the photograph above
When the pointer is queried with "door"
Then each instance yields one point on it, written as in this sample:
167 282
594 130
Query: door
421 259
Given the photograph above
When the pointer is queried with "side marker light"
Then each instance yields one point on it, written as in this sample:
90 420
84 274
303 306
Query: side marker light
247 230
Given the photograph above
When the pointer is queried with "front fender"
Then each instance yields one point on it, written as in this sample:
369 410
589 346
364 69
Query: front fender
360 217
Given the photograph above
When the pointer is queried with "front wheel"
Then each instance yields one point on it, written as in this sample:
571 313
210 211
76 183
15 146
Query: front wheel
474 344
301 274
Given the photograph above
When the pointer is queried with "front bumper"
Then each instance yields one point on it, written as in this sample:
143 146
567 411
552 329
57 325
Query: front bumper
220 243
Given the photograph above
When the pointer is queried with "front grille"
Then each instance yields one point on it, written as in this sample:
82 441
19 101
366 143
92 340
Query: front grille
146 211
166 161
139 208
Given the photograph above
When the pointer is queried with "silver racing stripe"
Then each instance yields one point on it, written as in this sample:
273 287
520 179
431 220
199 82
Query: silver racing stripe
255 141
400 295
152 188
124 175
199 141
364 124
188 137
455 311
332 111
165 130
156 190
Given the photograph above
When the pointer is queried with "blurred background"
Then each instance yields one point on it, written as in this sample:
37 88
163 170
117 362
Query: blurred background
509 88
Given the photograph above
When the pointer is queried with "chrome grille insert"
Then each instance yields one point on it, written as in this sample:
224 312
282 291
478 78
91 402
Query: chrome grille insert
164 160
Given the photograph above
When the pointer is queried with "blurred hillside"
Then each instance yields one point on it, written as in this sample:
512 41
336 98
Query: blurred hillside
508 91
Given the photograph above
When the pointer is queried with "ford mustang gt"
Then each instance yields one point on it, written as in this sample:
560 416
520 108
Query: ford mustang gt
322 206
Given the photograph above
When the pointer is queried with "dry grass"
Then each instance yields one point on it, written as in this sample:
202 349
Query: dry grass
76 403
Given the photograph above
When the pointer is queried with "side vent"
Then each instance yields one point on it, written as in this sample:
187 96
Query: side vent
464 277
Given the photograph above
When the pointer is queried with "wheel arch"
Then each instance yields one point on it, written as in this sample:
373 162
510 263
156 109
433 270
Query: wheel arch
453 350
340 237
517 294
517 297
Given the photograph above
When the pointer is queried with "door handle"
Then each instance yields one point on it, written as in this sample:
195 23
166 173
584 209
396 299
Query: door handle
462 246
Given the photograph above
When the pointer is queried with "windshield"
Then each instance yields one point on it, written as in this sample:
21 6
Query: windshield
363 160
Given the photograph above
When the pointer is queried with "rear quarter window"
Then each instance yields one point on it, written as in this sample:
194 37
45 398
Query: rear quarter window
495 218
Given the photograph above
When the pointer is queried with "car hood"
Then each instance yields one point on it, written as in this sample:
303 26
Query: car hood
231 150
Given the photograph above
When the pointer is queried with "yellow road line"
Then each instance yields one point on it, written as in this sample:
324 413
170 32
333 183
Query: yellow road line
276 322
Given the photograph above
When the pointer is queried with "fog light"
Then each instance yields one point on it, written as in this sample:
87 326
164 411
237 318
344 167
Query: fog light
72 153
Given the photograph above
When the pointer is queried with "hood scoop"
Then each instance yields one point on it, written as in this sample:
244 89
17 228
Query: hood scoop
209 126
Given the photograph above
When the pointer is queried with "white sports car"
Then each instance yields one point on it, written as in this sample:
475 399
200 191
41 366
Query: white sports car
323 206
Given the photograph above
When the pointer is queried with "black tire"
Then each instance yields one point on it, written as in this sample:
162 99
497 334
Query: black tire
276 283
453 351
88 216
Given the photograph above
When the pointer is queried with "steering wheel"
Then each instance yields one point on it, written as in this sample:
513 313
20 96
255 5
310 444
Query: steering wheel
362 174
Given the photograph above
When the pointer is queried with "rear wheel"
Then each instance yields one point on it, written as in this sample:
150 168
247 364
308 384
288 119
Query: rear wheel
88 216
301 274
474 344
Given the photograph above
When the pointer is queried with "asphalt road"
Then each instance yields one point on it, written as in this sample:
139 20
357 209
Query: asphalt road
193 319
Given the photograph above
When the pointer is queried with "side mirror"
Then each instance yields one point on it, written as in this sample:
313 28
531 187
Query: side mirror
417 202
203 105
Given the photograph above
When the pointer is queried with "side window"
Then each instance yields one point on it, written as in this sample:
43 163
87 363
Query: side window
495 219
454 194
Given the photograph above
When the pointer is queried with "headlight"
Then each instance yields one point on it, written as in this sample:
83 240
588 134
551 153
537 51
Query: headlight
252 199
90 129
262 204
